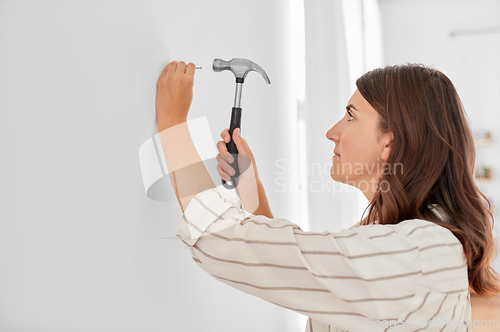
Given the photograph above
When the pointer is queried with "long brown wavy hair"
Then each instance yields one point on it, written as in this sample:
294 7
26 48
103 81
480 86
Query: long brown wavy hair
435 146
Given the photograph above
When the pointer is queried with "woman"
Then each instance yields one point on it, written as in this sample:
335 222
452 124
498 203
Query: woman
411 263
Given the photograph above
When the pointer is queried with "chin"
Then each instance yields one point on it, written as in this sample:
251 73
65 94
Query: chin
338 178
345 179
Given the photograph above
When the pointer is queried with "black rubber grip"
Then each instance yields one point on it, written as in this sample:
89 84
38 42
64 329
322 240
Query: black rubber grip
231 148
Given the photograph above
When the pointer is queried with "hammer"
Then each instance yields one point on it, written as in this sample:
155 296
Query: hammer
240 68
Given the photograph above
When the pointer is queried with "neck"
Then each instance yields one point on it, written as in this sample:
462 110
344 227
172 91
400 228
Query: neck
369 194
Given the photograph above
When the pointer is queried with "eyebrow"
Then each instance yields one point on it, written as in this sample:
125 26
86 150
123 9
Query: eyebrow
348 107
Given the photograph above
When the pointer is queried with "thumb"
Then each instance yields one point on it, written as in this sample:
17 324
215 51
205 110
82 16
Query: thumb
240 144
245 156
236 136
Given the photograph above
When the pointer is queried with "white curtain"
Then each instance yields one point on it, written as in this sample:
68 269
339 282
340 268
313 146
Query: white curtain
342 41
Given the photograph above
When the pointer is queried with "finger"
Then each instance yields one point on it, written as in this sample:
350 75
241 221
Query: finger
165 70
221 146
225 135
170 68
225 166
181 67
190 69
222 174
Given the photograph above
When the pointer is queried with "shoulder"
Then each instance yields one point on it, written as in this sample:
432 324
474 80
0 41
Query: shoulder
418 230
426 232
442 257
433 241
439 249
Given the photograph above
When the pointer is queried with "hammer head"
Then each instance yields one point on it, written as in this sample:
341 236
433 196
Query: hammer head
239 67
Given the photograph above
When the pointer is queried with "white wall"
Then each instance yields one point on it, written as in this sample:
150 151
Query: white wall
81 246
462 39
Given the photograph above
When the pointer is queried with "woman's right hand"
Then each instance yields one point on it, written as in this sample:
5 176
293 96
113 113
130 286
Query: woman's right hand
246 160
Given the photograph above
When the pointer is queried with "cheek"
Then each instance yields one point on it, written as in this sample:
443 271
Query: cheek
360 146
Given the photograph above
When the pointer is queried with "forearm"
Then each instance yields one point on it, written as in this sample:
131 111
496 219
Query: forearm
189 176
263 208
187 172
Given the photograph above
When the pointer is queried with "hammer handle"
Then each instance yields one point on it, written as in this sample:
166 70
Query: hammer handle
231 147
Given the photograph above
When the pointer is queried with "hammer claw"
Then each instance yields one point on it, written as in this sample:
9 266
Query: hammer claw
240 68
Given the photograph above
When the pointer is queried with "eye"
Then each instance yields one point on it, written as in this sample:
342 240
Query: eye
351 117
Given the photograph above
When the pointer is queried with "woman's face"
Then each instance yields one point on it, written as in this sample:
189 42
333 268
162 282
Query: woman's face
361 150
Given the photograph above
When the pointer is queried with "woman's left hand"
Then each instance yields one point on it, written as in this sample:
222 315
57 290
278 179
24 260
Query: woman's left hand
174 94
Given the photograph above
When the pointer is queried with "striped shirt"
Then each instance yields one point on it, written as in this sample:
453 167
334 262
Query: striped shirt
409 276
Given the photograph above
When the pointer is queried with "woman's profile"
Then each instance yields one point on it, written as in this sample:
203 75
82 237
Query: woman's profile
411 263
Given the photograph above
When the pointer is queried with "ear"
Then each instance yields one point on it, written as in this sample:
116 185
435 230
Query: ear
387 141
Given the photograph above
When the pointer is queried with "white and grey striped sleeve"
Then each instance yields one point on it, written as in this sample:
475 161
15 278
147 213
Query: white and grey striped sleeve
341 278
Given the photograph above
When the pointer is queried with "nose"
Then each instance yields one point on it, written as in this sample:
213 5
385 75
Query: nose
334 133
